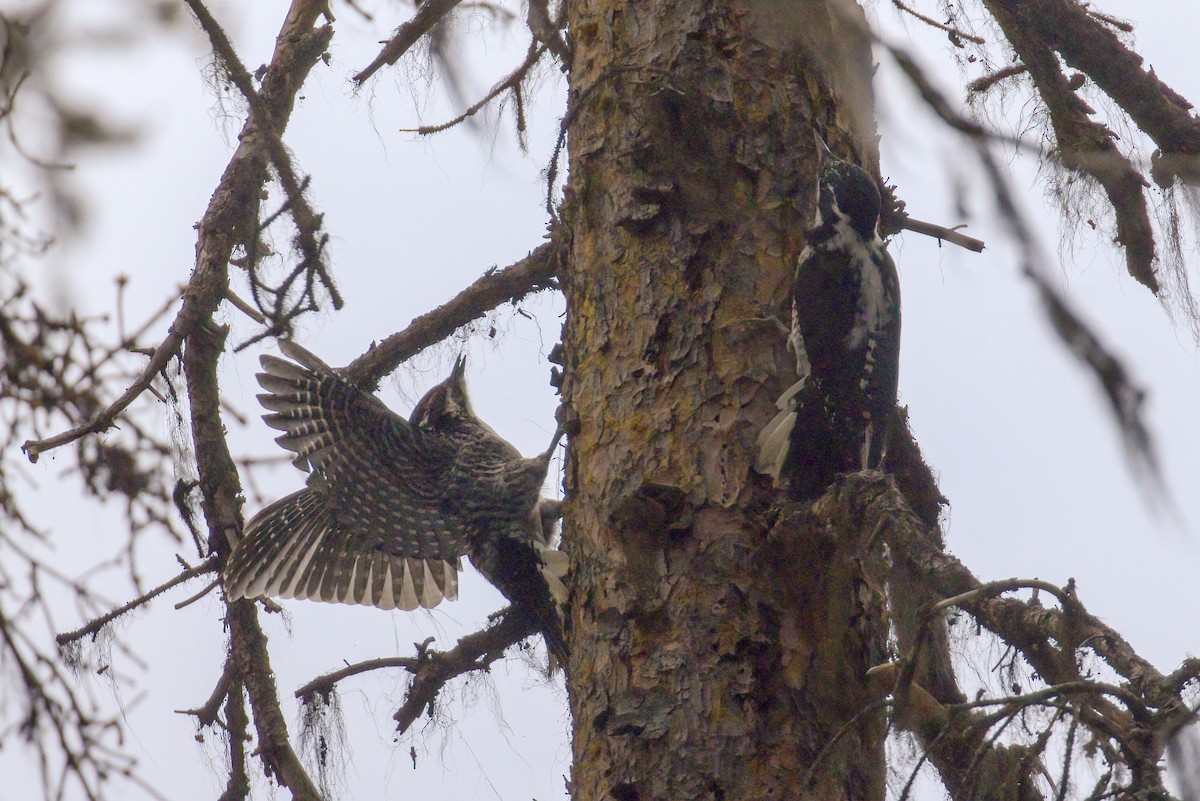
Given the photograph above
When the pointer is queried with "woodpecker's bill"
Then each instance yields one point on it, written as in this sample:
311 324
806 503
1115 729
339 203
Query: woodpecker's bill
392 504
845 334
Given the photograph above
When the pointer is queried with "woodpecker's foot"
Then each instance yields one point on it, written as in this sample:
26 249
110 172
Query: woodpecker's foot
568 422
549 509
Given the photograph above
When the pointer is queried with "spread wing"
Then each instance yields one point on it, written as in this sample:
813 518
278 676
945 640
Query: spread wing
295 548
373 526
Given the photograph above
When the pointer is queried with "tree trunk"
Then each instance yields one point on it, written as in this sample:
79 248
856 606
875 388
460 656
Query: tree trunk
719 639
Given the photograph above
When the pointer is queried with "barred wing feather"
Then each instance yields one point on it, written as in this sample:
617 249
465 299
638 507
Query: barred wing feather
374 525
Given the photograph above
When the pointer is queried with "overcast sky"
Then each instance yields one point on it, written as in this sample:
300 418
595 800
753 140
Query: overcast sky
1019 435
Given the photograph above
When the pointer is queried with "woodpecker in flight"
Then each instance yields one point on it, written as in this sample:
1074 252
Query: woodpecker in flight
392 505
845 334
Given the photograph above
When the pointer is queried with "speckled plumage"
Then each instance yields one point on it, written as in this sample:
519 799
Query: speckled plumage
392 504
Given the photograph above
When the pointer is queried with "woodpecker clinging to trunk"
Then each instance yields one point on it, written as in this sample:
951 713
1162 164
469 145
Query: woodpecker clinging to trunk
845 334
392 504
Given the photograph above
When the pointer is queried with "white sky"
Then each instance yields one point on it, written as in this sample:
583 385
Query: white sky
1016 431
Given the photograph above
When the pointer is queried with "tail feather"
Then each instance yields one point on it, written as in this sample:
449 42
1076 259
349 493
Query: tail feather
296 548
302 356
775 440
876 439
554 568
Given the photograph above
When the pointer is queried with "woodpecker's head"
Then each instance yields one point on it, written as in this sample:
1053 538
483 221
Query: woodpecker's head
848 190
447 404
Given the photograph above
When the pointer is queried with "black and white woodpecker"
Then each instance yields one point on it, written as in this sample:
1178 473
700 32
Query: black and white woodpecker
845 334
392 505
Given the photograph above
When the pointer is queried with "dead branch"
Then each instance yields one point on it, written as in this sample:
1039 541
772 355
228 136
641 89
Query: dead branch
942 234
510 83
206 713
95 625
955 33
476 651
232 219
1151 708
1085 146
923 686
248 650
1087 45
535 272
51 709
985 82
323 685
274 103
265 107
546 31
106 419
428 14
994 588
1123 396
1066 689
237 725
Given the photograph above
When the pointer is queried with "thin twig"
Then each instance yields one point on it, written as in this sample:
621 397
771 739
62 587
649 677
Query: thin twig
95 625
1067 689
106 419
206 713
985 82
244 307
511 82
942 234
954 32
428 14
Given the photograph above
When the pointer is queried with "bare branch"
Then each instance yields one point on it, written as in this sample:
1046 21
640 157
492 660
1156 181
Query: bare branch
925 695
1065 689
942 234
274 105
1085 146
547 31
237 726
1123 396
206 713
230 220
106 419
95 625
248 650
534 272
322 685
244 307
274 102
511 83
1085 44
428 14
1046 638
985 82
1146 712
955 33
474 652
994 588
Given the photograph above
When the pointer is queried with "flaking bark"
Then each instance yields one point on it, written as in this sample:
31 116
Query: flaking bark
719 648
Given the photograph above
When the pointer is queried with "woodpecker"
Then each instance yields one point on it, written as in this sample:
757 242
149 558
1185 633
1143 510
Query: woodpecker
391 505
845 334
